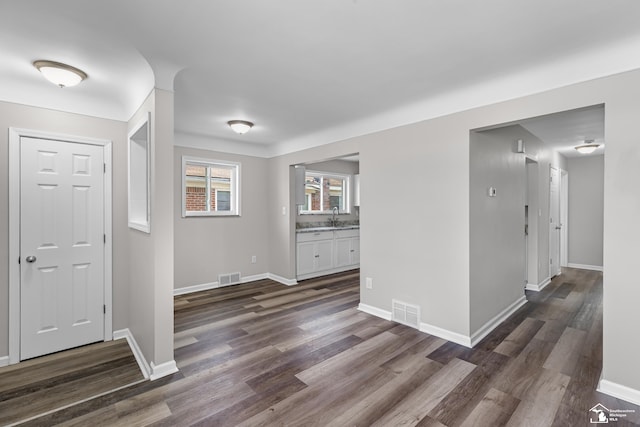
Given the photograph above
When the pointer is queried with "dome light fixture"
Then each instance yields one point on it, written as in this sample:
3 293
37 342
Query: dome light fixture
240 126
60 74
588 147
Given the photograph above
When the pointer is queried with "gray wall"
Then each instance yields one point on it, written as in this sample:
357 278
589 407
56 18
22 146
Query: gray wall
151 254
20 116
497 244
205 247
586 210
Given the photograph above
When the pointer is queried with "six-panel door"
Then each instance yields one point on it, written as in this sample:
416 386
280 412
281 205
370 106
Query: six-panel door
61 245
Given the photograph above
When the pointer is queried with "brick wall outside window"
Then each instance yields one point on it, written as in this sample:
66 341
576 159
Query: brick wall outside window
196 199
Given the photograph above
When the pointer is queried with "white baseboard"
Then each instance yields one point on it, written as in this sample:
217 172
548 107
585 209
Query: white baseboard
424 327
586 266
247 279
445 334
137 353
619 391
374 311
4 361
540 286
280 279
163 369
195 288
486 329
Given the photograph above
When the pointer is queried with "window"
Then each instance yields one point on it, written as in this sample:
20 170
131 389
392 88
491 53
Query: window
210 187
325 191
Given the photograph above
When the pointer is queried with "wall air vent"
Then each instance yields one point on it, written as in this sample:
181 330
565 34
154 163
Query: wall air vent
407 314
228 279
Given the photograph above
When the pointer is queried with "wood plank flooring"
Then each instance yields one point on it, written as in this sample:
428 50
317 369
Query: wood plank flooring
47 383
263 354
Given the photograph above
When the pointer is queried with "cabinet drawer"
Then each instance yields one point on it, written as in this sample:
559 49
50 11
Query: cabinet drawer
313 236
342 234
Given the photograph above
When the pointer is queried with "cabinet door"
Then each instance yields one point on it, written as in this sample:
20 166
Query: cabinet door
306 257
324 252
343 252
355 251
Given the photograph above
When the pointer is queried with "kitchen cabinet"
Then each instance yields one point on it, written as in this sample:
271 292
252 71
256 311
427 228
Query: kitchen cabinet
314 252
325 252
347 248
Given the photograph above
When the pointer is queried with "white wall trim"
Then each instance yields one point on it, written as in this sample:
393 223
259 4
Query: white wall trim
586 266
195 288
4 361
486 329
374 311
619 391
540 286
450 335
135 349
14 230
424 327
247 279
446 334
280 279
163 369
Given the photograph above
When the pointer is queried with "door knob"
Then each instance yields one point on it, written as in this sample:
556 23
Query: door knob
30 259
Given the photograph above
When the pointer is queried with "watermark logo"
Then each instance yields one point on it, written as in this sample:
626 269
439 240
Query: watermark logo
599 414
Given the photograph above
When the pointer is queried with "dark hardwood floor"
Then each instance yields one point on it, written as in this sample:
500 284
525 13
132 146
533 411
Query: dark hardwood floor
48 383
263 354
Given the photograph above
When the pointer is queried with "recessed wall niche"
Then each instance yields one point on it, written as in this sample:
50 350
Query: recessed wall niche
139 176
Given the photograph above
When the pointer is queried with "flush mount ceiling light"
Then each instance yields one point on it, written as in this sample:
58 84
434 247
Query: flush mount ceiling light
60 74
588 147
240 126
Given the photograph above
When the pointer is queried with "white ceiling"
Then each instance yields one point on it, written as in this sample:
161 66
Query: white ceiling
309 72
562 132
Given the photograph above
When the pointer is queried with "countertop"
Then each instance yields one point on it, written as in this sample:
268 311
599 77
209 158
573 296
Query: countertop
317 229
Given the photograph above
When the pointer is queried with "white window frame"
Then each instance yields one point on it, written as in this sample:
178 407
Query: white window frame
235 186
347 192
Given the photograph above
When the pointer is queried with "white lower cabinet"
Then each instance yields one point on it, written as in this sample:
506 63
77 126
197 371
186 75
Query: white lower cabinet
315 256
347 251
326 252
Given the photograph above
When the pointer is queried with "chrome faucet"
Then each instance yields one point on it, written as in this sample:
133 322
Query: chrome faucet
334 212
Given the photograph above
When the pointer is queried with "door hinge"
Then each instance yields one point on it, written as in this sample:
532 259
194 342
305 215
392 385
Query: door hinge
105 167
18 260
104 238
104 309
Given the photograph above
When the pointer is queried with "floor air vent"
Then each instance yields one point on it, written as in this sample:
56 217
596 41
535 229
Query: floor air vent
407 314
228 279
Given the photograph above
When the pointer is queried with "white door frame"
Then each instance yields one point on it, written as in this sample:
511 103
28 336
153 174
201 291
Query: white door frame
14 231
564 218
554 252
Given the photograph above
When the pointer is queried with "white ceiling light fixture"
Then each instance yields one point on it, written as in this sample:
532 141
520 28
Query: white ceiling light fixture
240 126
587 148
60 74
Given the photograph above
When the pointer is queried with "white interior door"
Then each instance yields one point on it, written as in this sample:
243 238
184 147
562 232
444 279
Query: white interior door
555 225
61 245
